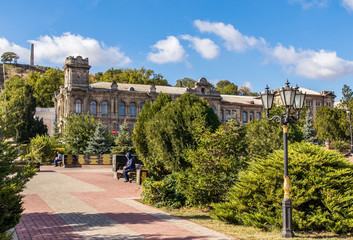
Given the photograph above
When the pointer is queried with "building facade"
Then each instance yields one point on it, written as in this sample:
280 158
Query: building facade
114 103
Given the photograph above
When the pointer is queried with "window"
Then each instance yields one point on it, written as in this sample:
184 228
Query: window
141 106
202 90
245 117
258 115
214 110
132 109
104 108
221 115
122 109
227 115
234 114
78 105
93 107
251 116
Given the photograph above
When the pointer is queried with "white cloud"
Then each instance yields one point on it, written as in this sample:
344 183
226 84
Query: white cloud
55 49
206 47
348 4
6 46
234 40
168 50
311 64
306 4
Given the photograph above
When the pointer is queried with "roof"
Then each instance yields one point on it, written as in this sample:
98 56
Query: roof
241 99
138 87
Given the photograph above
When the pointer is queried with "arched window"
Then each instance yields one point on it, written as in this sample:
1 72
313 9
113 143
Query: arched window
122 109
132 109
104 108
214 110
93 107
258 115
251 116
78 105
141 106
221 115
227 114
245 117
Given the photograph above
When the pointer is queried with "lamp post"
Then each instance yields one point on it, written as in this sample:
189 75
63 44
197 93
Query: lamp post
350 123
291 98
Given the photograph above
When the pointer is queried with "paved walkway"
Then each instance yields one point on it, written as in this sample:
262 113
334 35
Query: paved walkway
80 203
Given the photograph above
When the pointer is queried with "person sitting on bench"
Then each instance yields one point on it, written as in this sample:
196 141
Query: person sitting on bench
129 167
58 159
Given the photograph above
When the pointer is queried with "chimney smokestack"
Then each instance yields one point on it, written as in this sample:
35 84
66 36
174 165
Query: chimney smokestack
32 55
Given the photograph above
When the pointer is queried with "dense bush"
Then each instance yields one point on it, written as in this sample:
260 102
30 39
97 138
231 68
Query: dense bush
321 194
214 165
163 193
166 130
42 149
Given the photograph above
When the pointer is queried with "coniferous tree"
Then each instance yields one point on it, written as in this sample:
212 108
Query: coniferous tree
100 142
123 143
12 182
309 131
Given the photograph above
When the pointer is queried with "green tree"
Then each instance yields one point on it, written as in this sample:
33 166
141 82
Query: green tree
12 183
9 57
215 164
309 131
347 95
46 86
263 137
171 132
77 131
321 191
18 110
134 76
100 142
42 149
326 124
226 87
123 143
185 82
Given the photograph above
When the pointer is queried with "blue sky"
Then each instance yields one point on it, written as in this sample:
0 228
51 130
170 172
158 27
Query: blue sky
248 42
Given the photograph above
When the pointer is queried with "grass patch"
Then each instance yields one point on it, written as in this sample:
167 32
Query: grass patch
202 217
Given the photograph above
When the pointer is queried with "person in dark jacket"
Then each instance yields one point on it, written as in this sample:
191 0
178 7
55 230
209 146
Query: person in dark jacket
129 167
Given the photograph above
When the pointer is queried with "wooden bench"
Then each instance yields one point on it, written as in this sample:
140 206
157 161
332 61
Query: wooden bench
132 175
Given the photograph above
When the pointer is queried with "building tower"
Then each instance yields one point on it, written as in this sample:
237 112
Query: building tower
76 71
32 55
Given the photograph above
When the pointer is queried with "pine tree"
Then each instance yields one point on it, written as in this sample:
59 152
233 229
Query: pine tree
100 142
123 142
12 182
308 131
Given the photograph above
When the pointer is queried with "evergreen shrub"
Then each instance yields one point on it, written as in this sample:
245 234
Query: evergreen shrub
321 191
163 193
42 149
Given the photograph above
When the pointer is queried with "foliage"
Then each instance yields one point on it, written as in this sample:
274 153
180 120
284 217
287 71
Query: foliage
226 87
18 108
42 149
263 137
165 130
100 142
347 95
185 82
214 165
331 124
163 193
340 146
46 86
9 57
12 182
77 131
123 143
133 76
308 131
321 193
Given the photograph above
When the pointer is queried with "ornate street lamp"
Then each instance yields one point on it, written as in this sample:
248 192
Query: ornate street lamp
291 98
350 123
